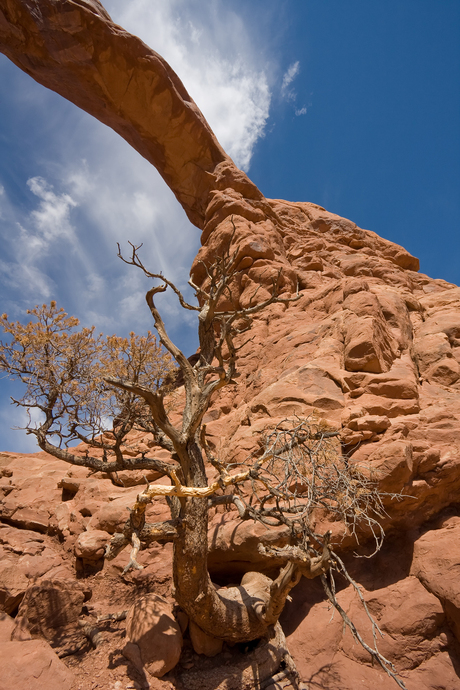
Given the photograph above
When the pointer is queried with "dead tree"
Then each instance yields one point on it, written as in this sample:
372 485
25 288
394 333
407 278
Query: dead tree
75 385
235 620
76 381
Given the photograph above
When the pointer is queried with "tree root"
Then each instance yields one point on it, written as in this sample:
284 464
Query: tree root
93 633
117 616
285 677
70 651
251 670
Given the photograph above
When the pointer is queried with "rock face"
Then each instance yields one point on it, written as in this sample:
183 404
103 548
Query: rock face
355 349
371 346
33 665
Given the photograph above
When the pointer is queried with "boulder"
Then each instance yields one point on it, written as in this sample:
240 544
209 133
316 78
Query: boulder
25 556
6 627
390 465
368 345
13 584
436 563
90 546
48 607
109 517
436 672
27 505
370 423
154 638
411 619
233 545
202 642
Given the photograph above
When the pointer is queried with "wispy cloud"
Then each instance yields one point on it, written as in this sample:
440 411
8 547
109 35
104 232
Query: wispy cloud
289 94
209 47
87 189
11 419
28 238
288 77
52 218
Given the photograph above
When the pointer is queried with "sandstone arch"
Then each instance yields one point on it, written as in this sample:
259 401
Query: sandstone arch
373 346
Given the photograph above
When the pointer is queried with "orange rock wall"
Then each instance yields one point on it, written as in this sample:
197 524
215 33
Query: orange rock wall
372 347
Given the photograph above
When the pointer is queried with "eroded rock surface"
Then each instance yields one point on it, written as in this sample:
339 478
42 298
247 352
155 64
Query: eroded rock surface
356 351
352 350
33 664
372 347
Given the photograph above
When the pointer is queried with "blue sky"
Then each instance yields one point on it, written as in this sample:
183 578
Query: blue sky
352 105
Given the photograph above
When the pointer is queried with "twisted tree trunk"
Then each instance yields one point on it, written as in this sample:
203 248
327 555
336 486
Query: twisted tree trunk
74 48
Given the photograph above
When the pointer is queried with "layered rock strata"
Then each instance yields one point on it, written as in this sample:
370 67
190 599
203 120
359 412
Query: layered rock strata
372 347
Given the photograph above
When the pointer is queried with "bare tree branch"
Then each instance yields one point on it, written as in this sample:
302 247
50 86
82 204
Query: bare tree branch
297 474
386 665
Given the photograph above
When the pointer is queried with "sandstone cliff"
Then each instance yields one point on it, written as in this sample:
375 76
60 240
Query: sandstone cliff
372 347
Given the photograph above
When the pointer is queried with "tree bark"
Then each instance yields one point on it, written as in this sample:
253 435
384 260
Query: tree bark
236 614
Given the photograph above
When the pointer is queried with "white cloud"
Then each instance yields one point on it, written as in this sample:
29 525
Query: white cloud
15 439
16 275
289 94
209 47
123 199
288 77
91 190
52 218
29 238
94 190
13 420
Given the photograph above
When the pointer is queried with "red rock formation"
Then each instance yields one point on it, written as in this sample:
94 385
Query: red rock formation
29 663
73 48
372 346
357 349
